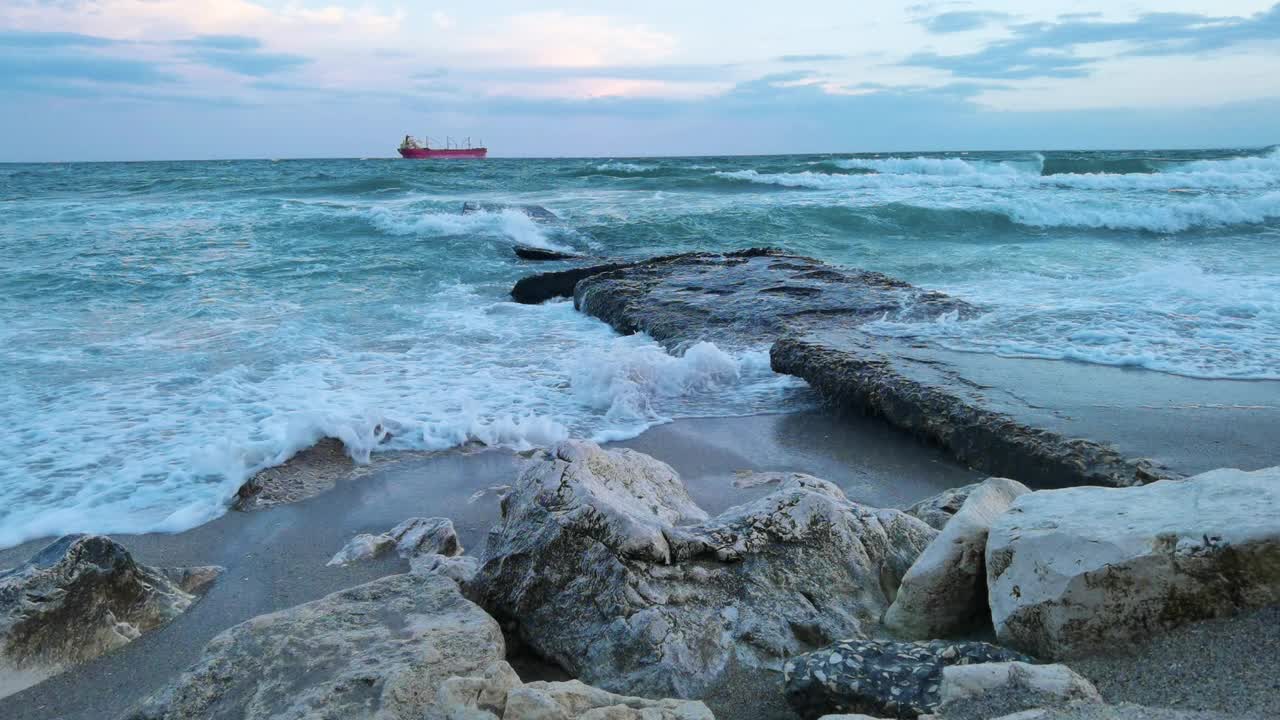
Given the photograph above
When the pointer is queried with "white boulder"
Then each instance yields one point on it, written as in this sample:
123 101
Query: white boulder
379 650
1084 569
945 590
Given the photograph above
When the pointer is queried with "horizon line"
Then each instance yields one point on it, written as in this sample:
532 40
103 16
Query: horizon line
662 157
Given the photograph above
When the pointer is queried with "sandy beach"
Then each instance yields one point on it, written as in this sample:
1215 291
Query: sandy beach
275 559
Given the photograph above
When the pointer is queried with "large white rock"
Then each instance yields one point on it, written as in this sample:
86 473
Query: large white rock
82 596
1015 685
608 567
946 588
1086 569
379 650
500 695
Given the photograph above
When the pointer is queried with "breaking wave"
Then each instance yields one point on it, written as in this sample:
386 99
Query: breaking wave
510 225
474 371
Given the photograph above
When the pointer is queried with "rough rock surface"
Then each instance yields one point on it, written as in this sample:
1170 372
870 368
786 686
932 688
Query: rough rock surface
882 678
981 425
310 472
609 569
379 650
812 315
1084 569
937 510
987 689
529 252
500 695
945 591
747 296
459 568
82 596
412 538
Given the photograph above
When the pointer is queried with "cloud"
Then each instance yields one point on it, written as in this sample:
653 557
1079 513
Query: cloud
17 39
559 39
67 64
961 21
1052 49
810 58
239 54
230 43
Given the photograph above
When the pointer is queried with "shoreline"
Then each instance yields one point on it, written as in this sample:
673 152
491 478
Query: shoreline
275 557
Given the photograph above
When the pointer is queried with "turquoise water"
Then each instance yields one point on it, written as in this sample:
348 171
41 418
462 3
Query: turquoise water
170 328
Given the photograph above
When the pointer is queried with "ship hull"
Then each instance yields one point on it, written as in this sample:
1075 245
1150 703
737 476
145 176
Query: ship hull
451 154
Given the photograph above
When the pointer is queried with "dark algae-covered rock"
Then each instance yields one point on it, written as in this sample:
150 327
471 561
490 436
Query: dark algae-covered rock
881 678
80 597
529 252
542 287
747 296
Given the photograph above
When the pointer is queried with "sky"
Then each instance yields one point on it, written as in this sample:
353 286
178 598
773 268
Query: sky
203 79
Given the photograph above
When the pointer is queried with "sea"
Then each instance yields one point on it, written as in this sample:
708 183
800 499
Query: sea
167 329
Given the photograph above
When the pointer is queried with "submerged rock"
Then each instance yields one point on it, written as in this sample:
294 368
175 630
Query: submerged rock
1086 569
937 510
308 473
379 650
534 212
945 591
500 695
529 252
80 597
608 568
881 678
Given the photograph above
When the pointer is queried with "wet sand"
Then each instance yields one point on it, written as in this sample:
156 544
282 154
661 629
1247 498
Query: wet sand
275 558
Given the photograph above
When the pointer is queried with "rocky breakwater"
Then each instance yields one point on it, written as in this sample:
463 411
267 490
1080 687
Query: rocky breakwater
605 565
811 315
80 597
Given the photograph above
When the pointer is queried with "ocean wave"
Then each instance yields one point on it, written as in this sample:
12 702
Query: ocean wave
1172 217
509 224
1208 178
459 369
949 167
1096 166
1170 316
623 167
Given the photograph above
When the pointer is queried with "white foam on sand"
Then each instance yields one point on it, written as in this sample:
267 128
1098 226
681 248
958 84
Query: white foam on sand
165 453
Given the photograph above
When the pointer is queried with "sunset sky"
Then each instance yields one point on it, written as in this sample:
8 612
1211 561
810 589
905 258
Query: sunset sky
175 79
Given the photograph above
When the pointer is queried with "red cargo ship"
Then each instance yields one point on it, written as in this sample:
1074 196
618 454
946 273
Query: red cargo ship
410 148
